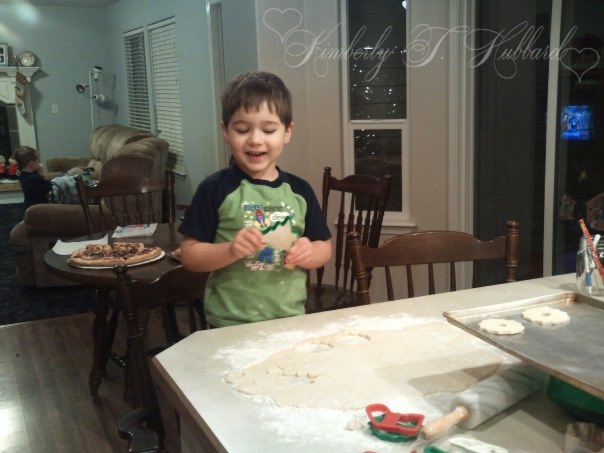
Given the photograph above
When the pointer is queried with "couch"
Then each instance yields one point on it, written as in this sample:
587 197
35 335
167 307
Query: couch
115 150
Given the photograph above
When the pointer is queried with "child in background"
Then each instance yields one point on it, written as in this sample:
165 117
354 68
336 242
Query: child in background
256 228
35 186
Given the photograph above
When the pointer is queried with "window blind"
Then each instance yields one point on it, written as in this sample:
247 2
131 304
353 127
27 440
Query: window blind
139 114
166 91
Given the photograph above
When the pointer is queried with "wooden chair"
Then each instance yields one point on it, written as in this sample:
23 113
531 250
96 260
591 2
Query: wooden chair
137 299
132 426
118 201
123 201
429 248
362 202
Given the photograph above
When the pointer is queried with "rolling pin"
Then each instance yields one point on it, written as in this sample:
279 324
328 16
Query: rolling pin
487 399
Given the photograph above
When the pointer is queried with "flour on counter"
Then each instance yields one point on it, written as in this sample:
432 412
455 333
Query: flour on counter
246 353
361 364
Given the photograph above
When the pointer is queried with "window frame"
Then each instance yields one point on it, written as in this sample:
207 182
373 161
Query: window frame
162 111
391 218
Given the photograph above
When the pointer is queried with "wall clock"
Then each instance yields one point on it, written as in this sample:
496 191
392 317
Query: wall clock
26 58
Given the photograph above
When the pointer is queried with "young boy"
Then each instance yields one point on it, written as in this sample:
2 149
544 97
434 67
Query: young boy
256 228
32 177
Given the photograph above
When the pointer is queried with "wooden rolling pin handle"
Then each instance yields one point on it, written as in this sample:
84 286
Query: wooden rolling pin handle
443 424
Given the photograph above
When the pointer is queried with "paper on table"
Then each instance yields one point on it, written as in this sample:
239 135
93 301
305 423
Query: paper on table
66 248
133 231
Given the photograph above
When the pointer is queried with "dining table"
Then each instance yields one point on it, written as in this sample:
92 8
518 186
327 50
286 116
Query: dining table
166 236
196 376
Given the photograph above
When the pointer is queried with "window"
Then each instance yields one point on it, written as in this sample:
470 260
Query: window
157 73
376 92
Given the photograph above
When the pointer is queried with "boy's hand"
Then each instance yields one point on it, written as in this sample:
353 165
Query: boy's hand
300 253
246 242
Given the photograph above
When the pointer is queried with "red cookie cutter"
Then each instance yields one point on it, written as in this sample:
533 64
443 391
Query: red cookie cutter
382 419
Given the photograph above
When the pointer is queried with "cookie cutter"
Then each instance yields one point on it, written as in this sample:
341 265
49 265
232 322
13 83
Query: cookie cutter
386 424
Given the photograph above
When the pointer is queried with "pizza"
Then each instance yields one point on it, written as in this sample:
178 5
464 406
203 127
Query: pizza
109 255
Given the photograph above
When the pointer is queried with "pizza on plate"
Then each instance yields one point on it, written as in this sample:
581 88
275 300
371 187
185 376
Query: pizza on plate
109 255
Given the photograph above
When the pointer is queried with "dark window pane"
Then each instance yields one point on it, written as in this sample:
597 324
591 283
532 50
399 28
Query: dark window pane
376 66
377 152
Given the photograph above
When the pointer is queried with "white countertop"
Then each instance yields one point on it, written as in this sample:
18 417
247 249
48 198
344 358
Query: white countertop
192 372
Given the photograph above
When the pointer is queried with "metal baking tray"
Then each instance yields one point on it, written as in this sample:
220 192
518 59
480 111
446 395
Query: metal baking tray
573 352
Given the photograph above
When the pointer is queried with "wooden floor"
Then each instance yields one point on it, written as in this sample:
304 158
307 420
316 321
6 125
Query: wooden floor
45 405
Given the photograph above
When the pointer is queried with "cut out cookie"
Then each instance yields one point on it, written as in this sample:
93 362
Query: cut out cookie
501 326
546 316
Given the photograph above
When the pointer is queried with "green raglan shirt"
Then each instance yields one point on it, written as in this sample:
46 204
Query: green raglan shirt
258 287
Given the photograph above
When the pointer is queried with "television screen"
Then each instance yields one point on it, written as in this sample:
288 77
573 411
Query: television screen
577 122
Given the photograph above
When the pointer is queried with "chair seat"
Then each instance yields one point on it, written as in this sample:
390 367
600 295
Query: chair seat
327 297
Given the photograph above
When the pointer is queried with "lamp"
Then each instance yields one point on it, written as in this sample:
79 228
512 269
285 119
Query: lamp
99 98
95 98
96 73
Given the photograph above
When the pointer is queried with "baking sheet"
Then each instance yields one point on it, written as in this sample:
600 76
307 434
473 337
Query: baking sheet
573 352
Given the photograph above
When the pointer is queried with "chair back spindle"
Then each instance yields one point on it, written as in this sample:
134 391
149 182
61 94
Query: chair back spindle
362 201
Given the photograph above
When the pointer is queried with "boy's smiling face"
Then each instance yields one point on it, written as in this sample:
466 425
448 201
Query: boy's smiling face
256 139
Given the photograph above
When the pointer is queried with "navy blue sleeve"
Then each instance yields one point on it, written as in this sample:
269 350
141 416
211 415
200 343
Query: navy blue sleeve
201 219
316 228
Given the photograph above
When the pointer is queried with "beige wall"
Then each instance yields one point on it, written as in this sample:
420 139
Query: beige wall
317 139
428 124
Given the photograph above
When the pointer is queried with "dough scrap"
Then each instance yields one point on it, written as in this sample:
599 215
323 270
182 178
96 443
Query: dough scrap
351 369
546 316
501 326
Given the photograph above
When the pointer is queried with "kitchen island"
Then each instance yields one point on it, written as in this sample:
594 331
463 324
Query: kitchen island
215 416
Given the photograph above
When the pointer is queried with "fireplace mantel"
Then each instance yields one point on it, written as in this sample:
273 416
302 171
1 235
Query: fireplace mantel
26 124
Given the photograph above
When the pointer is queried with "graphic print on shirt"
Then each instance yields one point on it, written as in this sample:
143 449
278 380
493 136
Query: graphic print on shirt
278 226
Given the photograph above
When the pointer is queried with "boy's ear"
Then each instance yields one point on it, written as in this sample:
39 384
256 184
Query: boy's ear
225 134
288 133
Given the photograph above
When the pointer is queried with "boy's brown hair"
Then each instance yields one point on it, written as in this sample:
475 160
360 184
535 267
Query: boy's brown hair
251 89
24 155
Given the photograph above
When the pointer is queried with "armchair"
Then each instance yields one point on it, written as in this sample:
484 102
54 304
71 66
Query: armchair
43 224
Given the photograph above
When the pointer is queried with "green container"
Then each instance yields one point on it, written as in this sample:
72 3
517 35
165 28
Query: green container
578 403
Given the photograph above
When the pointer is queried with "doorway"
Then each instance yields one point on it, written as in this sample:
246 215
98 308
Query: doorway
578 133
531 163
510 130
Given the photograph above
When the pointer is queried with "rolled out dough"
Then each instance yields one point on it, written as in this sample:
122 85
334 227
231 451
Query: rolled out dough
351 369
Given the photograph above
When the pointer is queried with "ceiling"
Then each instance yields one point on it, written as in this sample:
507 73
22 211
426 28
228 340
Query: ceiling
79 3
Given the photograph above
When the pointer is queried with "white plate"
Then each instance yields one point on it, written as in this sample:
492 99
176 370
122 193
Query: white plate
157 258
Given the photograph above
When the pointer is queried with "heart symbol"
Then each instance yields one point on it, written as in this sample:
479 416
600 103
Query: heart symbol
286 21
595 63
